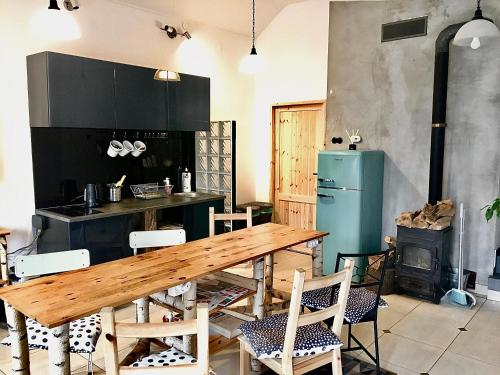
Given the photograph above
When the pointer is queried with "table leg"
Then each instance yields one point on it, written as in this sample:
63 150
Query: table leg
189 341
59 362
20 357
258 302
268 281
317 256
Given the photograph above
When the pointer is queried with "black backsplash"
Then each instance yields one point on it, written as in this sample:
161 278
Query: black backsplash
64 160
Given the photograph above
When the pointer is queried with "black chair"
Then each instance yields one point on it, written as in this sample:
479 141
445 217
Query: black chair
363 300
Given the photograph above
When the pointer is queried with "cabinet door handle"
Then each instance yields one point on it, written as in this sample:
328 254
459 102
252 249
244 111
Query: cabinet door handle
321 179
325 196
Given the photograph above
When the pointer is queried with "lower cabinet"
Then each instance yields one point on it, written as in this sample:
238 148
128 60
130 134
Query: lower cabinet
108 239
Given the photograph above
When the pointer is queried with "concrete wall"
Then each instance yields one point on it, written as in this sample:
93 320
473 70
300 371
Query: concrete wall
115 32
385 89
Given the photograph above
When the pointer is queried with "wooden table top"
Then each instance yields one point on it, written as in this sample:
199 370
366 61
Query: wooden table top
4 232
58 299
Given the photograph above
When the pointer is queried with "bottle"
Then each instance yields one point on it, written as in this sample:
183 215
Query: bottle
166 181
186 181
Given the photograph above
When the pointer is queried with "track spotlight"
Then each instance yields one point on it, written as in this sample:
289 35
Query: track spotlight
172 32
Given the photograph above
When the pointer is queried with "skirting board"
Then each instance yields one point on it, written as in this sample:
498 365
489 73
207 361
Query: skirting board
480 289
493 295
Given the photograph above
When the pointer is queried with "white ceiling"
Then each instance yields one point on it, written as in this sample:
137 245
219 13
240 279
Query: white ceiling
231 15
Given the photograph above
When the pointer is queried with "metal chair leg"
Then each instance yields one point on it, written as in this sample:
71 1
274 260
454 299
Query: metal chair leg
377 355
349 336
90 365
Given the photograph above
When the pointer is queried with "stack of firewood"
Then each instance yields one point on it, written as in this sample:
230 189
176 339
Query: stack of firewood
434 217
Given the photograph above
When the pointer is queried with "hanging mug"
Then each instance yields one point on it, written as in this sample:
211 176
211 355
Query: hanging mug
139 148
127 147
115 147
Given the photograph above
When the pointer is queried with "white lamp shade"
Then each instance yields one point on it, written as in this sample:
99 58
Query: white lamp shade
481 29
252 64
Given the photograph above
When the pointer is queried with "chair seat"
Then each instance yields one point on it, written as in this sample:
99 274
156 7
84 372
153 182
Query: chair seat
359 302
83 334
170 357
266 337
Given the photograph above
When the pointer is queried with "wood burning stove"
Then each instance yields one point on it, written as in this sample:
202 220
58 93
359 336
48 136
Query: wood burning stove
422 262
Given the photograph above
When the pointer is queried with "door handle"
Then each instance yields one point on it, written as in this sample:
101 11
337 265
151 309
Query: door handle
321 179
326 196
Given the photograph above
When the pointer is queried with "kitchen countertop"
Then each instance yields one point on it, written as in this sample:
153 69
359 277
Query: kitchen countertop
133 205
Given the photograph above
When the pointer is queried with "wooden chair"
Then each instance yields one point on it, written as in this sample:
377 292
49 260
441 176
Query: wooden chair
297 343
151 239
213 217
171 361
363 301
32 266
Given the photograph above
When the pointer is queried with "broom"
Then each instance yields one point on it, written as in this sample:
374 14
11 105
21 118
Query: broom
458 295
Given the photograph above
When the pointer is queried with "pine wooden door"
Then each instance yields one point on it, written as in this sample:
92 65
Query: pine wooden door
298 135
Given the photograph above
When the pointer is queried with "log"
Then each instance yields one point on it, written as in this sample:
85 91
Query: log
317 257
445 209
189 341
59 350
441 223
19 341
419 221
405 219
268 281
391 241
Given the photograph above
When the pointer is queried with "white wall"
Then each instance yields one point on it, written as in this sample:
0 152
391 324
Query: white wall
295 47
110 31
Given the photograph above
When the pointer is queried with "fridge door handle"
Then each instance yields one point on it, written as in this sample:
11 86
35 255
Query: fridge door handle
325 196
321 179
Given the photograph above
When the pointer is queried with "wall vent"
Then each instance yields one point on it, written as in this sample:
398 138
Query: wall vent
404 29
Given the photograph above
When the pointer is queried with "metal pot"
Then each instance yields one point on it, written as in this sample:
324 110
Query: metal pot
114 193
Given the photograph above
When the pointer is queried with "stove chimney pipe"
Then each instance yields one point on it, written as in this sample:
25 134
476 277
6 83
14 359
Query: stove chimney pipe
439 111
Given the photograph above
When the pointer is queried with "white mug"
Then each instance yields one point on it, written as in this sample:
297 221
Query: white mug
127 147
115 147
139 148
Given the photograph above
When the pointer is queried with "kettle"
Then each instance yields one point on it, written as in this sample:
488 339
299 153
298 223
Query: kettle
91 196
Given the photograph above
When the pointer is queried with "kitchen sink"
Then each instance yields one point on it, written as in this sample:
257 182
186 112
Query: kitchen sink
191 194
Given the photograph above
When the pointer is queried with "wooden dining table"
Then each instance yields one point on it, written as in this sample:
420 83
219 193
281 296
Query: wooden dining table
54 301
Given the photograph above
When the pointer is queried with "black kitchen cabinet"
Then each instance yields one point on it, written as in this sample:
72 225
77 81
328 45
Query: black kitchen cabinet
78 92
70 91
141 101
189 103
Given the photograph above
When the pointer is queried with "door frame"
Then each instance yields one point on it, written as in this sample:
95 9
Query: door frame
274 150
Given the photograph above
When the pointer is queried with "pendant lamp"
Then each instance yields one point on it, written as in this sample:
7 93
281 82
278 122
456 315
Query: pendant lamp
476 32
252 63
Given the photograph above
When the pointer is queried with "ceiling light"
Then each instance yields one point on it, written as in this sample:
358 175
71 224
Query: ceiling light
53 5
477 31
252 63
167 76
172 32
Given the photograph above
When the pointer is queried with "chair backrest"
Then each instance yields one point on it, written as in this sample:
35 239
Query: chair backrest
27 266
156 238
213 217
295 319
369 271
112 330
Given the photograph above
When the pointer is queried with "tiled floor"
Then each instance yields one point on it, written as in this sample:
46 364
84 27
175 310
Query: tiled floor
415 337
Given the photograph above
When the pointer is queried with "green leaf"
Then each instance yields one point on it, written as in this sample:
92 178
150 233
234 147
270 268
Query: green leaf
489 214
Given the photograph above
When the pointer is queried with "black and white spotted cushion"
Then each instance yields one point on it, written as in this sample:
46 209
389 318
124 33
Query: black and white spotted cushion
170 357
359 302
266 337
83 334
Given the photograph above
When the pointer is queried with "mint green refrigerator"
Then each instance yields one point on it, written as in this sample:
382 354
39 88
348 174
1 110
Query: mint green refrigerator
349 202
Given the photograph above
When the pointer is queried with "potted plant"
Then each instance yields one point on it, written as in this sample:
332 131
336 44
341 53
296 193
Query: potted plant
492 209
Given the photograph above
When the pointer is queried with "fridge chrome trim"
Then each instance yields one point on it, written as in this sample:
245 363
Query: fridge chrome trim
338 188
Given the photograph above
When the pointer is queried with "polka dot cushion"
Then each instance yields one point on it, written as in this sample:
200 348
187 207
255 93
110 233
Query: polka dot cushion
266 337
359 302
83 334
170 357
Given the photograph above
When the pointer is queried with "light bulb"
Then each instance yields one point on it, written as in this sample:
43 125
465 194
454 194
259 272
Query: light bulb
475 44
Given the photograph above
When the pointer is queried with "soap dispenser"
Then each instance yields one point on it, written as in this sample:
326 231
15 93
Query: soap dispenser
186 181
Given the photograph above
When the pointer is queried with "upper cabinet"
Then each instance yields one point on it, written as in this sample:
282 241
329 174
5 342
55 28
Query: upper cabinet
141 101
70 91
77 92
189 103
